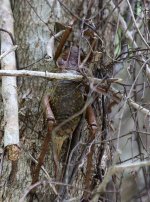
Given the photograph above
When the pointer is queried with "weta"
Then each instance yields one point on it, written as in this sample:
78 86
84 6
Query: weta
64 106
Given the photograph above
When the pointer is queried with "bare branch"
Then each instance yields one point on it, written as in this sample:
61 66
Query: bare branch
49 75
9 87
71 76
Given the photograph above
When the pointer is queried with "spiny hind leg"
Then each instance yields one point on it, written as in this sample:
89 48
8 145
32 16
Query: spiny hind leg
50 121
55 137
91 120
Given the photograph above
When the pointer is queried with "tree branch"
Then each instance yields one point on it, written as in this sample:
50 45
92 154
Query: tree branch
70 76
48 75
9 86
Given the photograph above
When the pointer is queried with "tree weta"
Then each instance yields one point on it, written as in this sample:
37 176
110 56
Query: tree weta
63 108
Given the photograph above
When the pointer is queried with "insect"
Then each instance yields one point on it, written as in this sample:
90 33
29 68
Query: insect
63 108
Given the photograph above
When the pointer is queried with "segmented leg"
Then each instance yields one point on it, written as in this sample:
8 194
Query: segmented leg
57 141
91 119
51 121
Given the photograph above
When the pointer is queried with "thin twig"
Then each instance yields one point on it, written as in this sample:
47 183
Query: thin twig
7 52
